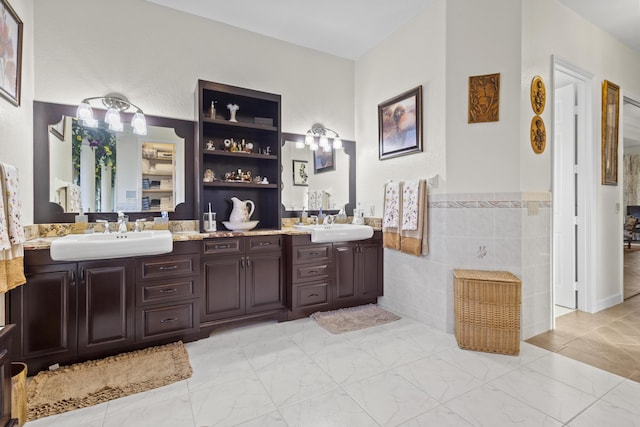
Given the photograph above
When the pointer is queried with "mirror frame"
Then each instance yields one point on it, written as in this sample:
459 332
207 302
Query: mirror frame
350 150
47 212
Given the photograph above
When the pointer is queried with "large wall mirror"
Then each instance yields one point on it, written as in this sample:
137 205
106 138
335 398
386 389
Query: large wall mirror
99 172
316 179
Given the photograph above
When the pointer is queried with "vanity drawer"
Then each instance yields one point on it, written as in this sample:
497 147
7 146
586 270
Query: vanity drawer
304 272
311 295
167 290
264 243
167 320
222 246
170 266
314 253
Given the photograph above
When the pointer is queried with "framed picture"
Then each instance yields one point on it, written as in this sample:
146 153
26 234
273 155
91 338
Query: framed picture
324 161
484 98
610 112
10 53
300 172
400 124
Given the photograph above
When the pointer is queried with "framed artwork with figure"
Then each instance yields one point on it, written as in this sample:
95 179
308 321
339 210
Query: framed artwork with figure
10 53
400 124
300 172
610 114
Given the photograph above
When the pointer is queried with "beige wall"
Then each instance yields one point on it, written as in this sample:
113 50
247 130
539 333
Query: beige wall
16 123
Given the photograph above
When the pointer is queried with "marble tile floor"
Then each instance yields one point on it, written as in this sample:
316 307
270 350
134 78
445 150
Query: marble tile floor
608 339
399 374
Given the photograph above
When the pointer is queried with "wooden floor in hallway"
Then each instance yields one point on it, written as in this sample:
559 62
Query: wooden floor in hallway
608 339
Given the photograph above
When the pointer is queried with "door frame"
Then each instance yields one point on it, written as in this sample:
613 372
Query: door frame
587 152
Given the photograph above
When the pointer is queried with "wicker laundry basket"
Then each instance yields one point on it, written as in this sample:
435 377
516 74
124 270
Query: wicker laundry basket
487 311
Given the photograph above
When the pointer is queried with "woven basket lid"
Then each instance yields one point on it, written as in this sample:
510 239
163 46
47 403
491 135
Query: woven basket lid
488 275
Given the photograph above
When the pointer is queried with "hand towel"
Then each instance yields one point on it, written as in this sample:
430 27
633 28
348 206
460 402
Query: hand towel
392 212
11 231
410 205
415 242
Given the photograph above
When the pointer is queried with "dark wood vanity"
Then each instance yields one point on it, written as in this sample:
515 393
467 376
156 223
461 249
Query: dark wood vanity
73 311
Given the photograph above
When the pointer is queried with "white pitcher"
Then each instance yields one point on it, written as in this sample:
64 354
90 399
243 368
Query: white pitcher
242 210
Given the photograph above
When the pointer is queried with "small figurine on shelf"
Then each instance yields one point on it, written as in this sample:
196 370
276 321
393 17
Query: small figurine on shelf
208 176
267 150
249 147
227 144
232 110
265 180
234 146
212 110
210 145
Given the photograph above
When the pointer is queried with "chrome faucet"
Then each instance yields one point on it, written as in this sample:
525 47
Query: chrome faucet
329 219
122 222
137 225
106 225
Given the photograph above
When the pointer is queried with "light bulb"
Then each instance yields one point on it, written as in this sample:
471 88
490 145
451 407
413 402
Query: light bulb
313 146
84 111
308 139
327 148
139 124
337 143
324 141
112 117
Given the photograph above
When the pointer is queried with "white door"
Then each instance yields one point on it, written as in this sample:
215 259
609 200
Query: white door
565 213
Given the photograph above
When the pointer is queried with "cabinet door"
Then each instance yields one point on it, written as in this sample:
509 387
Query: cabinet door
264 281
223 287
346 265
370 273
106 296
44 309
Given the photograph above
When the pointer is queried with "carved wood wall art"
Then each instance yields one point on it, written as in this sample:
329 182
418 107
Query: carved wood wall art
538 95
538 134
484 98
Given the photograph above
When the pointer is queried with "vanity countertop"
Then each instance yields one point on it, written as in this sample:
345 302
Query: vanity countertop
178 236
40 236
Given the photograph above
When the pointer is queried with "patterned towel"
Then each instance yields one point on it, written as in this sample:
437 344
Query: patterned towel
391 217
410 206
11 230
414 241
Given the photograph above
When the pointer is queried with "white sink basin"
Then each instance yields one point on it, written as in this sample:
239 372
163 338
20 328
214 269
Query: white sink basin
337 232
79 247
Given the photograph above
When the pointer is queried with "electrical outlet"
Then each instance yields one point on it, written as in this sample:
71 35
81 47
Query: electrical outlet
372 211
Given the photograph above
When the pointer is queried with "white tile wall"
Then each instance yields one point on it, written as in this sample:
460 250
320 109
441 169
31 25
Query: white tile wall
489 231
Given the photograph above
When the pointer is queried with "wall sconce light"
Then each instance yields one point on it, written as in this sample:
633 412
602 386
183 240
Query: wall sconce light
115 104
318 137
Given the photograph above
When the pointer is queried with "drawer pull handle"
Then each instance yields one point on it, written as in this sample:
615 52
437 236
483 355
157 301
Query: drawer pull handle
168 291
313 271
168 267
221 247
265 243
313 253
170 319
313 295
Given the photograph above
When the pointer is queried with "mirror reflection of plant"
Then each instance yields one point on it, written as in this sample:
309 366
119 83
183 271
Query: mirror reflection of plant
103 143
